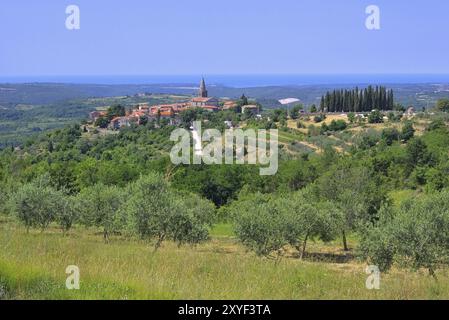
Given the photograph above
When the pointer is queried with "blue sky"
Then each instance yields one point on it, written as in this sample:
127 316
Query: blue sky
151 37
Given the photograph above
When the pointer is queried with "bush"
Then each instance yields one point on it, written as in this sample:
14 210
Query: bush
320 118
408 132
375 117
367 140
390 135
300 125
394 117
443 105
436 125
338 125
351 117
313 131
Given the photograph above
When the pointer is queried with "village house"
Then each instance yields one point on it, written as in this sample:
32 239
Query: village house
229 105
253 109
119 122
169 111
411 111
95 115
202 102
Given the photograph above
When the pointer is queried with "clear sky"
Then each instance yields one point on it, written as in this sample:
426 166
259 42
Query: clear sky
151 37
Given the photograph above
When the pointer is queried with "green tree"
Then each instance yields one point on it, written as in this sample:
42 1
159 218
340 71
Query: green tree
259 225
36 205
67 212
102 122
351 117
308 220
115 110
354 192
415 236
155 212
443 105
100 206
191 224
390 135
417 155
294 112
408 132
375 117
243 100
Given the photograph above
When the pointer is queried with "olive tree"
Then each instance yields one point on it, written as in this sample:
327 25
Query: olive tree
99 206
354 192
307 220
259 224
416 236
155 212
266 224
190 224
67 212
35 206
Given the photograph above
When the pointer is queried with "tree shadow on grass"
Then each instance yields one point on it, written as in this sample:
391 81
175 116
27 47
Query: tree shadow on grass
339 258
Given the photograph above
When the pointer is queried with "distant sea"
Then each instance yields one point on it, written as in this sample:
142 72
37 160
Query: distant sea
239 81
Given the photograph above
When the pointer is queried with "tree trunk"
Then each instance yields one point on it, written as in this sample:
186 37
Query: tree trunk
303 251
432 273
345 243
105 236
159 242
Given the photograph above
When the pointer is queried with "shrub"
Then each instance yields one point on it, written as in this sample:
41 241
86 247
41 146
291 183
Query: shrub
338 125
443 105
351 117
320 118
408 131
390 135
300 125
313 131
375 117
436 125
394 117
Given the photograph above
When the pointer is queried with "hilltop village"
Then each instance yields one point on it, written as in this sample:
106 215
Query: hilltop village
143 112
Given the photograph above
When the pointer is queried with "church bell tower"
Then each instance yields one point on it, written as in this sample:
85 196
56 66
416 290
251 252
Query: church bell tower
203 90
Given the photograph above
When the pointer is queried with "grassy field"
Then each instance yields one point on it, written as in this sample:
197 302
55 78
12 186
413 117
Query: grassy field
32 266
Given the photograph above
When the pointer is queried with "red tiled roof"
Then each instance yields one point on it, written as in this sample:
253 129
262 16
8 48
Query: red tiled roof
199 99
211 107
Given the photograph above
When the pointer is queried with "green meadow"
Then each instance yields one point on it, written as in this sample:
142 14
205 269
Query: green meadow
32 266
